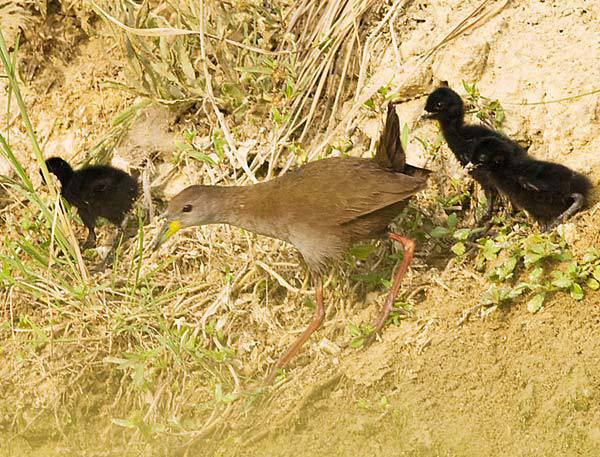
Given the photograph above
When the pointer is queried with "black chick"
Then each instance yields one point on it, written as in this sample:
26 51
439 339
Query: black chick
447 107
96 191
549 192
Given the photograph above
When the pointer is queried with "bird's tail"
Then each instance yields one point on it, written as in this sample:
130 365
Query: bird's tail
389 152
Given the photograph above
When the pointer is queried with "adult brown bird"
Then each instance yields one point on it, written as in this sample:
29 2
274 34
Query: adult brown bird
322 208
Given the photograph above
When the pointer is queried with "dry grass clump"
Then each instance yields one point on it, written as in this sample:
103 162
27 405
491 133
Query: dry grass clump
18 14
286 66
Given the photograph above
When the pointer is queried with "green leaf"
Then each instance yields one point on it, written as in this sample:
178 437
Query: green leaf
219 145
491 249
383 90
469 89
561 280
572 269
591 256
404 137
452 221
565 255
576 291
536 303
535 244
596 272
536 275
505 271
459 248
123 423
288 90
276 114
357 343
462 234
592 284
439 232
370 103
495 295
453 201
518 290
500 116
201 157
530 258
353 329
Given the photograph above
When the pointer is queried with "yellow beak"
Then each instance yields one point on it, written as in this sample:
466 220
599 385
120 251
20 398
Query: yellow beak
166 232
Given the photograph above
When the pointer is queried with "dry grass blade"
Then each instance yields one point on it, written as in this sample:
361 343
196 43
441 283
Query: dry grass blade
374 36
209 92
303 66
471 21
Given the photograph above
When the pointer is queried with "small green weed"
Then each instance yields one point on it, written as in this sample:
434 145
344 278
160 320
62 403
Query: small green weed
189 148
487 110
358 334
375 406
533 257
459 236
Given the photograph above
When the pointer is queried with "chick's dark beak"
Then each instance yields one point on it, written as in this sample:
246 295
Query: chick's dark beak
167 231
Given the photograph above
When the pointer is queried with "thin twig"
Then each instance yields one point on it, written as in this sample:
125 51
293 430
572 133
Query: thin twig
280 279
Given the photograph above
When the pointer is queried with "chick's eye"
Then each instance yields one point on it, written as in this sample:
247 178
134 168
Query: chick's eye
186 208
439 104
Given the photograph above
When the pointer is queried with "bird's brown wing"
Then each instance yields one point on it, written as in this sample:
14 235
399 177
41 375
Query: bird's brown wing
335 191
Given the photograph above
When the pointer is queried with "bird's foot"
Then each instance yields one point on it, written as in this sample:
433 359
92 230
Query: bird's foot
578 201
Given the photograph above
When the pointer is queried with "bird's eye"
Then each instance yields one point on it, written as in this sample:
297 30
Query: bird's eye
439 104
186 208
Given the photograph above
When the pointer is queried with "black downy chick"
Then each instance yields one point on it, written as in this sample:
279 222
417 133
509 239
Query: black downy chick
549 192
447 107
96 191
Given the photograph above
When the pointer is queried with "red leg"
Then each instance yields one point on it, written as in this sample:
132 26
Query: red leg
314 324
409 247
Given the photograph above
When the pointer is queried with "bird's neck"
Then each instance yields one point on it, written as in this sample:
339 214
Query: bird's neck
245 207
454 136
453 123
